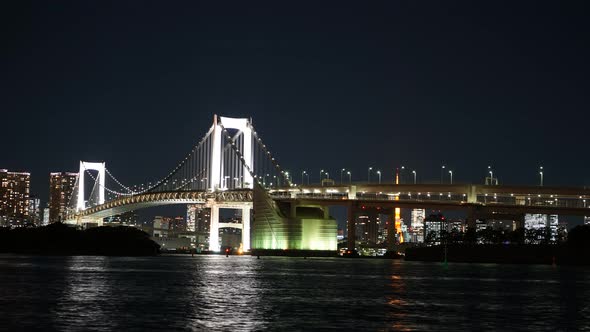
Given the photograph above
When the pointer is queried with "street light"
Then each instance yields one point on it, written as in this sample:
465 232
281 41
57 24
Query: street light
379 173
349 177
414 172
491 174
441 174
322 171
451 173
369 175
341 171
541 174
401 175
302 173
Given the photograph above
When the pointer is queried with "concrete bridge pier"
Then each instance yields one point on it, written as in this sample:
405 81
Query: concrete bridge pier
246 228
471 218
351 214
214 229
391 232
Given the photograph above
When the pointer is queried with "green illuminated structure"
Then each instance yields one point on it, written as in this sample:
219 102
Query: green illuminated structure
288 226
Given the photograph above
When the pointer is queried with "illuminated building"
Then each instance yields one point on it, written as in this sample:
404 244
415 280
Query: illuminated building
127 219
61 189
416 232
433 225
540 223
14 197
497 224
586 220
46 216
367 227
198 218
161 226
35 211
177 225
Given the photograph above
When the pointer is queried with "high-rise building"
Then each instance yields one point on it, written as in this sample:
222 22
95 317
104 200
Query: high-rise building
61 188
417 218
540 223
367 227
178 225
127 219
198 220
46 216
14 197
35 211
433 225
416 231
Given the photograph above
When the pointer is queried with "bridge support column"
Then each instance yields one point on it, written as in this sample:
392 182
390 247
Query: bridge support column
214 229
351 227
246 229
520 221
471 219
391 231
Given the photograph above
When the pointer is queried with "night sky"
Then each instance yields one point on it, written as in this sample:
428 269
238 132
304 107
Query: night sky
341 84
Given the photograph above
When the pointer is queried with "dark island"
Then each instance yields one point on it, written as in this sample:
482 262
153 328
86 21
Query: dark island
60 239
574 251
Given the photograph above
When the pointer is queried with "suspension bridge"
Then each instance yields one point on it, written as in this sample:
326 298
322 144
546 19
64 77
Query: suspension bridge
232 168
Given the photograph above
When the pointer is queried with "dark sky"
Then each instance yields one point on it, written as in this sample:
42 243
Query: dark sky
331 85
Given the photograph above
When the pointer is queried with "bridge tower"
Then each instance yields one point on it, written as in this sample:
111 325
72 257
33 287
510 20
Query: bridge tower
217 163
217 182
87 166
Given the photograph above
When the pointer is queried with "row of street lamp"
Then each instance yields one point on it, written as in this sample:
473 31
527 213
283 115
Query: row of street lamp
343 171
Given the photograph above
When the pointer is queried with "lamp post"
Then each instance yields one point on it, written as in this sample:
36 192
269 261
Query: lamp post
414 172
442 169
341 171
321 172
451 173
491 175
349 177
401 175
541 174
302 173
369 175
379 174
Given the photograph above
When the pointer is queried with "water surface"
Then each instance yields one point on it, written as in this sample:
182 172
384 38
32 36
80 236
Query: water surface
242 293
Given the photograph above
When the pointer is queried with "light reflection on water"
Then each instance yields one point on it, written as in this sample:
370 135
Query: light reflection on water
245 294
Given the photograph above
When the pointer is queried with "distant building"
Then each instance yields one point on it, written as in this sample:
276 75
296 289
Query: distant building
178 225
14 198
434 224
127 219
416 231
367 227
587 220
541 223
198 218
61 188
35 211
500 224
161 226
46 216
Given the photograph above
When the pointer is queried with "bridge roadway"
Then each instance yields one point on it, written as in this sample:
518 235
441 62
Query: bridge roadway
500 199
483 198
226 199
